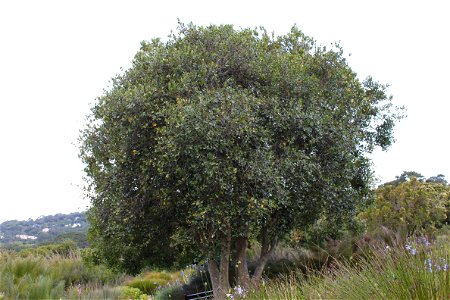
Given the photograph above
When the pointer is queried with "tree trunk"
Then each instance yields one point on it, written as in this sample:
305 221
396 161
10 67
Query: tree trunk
220 274
267 249
213 270
243 277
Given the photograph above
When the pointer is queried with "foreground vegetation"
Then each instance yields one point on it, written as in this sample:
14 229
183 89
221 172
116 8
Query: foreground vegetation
412 271
401 252
398 269
54 276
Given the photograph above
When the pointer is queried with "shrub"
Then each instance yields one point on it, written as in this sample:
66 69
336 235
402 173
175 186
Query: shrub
65 248
133 293
174 292
413 206
143 285
199 281
147 286
277 267
90 257
94 292
161 276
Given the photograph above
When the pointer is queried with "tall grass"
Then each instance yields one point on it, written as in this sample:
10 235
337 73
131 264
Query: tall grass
52 277
411 271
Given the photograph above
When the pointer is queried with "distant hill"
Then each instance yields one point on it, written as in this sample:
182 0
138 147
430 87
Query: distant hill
43 229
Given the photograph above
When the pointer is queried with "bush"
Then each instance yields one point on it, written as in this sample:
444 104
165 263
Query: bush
161 276
145 286
413 207
65 248
199 281
151 282
90 257
174 292
133 293
274 268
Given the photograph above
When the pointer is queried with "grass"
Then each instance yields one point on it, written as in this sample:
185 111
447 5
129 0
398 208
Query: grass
54 276
57 275
411 271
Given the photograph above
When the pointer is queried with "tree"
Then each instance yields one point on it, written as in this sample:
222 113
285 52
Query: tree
219 137
406 176
412 206
440 178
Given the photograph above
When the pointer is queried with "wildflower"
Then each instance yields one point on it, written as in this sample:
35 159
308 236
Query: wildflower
230 296
424 240
429 263
239 290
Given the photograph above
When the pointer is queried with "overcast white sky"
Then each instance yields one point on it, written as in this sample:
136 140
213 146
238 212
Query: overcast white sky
56 57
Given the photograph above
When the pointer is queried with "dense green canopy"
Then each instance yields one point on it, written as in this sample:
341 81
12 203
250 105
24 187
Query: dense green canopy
218 136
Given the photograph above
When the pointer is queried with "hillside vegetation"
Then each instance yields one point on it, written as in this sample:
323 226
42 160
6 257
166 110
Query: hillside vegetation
16 234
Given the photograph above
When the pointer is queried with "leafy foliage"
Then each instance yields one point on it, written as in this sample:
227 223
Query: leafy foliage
411 206
133 293
221 135
406 176
173 292
151 282
65 248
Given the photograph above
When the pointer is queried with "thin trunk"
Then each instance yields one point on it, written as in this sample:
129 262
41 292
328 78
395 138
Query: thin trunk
243 277
267 249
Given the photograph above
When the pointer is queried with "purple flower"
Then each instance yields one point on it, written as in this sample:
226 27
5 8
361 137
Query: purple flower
410 249
239 290
430 264
424 240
